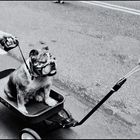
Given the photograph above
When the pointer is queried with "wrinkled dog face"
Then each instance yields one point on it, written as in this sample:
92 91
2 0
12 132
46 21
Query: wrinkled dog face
42 62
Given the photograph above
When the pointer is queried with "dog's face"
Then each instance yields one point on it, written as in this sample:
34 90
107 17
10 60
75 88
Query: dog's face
42 62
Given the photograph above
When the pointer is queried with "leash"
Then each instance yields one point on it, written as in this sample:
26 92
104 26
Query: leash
24 59
32 75
4 43
6 47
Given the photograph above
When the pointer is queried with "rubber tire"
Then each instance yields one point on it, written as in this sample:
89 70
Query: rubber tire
30 132
67 115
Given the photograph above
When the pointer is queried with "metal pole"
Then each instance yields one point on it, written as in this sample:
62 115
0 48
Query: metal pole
114 89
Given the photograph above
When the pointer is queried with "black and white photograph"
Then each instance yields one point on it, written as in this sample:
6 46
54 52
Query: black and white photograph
70 69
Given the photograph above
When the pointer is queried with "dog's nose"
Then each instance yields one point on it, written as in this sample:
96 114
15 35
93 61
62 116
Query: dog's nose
53 65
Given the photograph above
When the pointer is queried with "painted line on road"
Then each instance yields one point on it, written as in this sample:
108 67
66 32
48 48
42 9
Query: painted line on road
113 7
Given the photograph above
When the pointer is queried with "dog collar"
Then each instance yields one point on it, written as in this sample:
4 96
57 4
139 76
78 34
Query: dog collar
37 72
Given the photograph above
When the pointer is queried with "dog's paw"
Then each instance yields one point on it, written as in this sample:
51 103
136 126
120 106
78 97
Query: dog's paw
39 98
8 94
51 102
23 110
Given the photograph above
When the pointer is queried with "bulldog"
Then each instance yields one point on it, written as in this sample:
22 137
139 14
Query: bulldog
33 79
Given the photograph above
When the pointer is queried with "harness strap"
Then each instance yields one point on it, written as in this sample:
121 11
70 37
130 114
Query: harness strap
34 72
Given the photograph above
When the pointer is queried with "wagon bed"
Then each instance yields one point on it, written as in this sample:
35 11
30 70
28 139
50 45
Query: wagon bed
36 111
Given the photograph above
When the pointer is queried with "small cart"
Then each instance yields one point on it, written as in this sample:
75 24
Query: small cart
41 115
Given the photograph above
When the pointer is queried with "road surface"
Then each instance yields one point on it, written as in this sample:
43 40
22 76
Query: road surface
94 47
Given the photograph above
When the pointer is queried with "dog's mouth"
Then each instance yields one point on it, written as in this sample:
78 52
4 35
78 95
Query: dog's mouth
49 70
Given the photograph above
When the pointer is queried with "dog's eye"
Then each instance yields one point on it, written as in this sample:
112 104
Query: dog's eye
43 62
50 54
33 59
44 54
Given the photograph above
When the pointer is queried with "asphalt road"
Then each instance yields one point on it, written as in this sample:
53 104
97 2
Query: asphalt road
99 126
94 47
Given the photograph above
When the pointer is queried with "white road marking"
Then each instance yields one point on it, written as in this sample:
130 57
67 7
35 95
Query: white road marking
2 52
113 7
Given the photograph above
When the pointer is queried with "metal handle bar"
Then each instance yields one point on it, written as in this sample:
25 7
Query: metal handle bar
115 88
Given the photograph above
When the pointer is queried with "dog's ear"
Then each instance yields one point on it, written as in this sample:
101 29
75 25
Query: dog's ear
33 53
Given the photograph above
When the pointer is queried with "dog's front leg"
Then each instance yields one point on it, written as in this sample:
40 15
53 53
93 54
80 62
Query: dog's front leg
48 100
21 102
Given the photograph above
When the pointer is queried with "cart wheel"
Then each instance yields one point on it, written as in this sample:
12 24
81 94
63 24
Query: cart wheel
67 121
28 133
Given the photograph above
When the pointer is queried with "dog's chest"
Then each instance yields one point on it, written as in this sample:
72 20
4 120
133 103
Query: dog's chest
36 84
